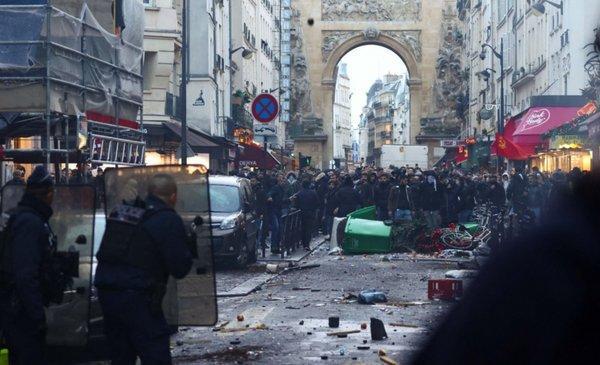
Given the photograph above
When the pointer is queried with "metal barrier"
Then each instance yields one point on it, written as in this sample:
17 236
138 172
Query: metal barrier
291 233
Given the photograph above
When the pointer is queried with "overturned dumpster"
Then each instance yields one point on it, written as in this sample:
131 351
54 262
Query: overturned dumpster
365 234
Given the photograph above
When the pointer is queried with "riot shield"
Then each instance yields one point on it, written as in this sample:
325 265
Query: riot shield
73 226
190 301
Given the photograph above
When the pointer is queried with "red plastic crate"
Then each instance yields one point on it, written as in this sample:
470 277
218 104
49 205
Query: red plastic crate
445 289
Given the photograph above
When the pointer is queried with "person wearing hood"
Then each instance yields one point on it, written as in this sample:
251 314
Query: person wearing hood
431 199
366 189
382 194
26 255
347 199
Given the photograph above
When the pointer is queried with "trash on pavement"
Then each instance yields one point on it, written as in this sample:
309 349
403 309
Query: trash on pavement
371 297
444 289
403 325
240 317
387 360
334 322
335 251
301 267
337 333
461 274
363 326
272 268
378 332
454 254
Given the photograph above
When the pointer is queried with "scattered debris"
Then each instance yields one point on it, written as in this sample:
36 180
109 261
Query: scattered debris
240 317
461 274
407 304
290 307
378 332
220 326
363 326
324 357
235 342
403 325
371 297
335 251
301 267
385 259
342 335
334 322
343 332
388 361
363 347
272 268
381 352
453 254
301 323
179 343
297 288
229 355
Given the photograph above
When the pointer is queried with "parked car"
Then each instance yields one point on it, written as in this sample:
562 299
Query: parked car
233 219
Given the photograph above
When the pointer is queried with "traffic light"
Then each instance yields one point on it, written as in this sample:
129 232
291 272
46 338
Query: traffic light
304 161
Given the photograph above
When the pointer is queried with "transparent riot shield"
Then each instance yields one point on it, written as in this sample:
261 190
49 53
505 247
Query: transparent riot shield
73 225
190 301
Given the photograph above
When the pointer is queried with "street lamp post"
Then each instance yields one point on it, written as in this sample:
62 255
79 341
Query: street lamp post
500 56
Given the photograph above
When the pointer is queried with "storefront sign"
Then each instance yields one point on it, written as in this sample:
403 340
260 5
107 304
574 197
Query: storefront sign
448 143
535 118
588 109
566 141
250 163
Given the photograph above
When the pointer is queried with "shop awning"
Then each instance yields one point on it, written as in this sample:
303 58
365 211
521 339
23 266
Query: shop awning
255 156
539 120
194 139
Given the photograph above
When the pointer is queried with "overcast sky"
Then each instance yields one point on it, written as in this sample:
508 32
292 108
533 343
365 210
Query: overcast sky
365 65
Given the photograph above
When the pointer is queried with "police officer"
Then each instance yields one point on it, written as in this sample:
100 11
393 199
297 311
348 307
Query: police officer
25 252
131 286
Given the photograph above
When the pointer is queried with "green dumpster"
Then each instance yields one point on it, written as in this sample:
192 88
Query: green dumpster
365 234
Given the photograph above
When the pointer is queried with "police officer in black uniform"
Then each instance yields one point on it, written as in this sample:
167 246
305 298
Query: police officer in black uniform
142 246
25 253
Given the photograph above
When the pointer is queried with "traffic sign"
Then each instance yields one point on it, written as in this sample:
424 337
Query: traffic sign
265 108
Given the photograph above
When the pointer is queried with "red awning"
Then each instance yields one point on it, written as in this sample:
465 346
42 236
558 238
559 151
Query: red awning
255 156
539 120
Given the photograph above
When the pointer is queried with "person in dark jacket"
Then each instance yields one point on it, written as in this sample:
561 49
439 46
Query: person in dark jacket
347 199
536 301
536 197
26 255
307 202
466 197
399 203
517 191
134 323
431 199
366 189
330 205
18 176
495 195
382 195
275 202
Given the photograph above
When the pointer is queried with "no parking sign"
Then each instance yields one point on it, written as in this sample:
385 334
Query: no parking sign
265 108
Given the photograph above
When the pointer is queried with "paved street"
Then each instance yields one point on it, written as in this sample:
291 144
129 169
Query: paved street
287 320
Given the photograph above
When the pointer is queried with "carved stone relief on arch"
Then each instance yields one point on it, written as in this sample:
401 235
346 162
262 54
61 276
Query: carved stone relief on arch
372 10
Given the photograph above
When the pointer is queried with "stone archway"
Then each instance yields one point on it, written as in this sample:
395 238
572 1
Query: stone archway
330 29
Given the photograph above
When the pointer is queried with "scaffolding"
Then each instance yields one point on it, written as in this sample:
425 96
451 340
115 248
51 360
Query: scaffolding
71 83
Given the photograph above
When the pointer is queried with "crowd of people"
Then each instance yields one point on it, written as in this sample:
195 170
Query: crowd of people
439 196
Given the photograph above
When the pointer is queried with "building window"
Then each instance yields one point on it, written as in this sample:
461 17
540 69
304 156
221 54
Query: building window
149 3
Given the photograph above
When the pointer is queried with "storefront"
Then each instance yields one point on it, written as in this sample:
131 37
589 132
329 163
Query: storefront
565 152
523 135
253 156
